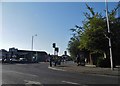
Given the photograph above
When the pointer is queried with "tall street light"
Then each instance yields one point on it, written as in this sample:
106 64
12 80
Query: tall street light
109 37
32 41
32 44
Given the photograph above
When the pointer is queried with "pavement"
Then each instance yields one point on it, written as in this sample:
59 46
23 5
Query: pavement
88 69
41 74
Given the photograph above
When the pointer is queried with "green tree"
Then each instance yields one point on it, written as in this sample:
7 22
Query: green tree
73 45
93 36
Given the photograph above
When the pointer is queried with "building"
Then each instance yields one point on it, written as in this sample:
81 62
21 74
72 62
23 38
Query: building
39 56
30 56
3 54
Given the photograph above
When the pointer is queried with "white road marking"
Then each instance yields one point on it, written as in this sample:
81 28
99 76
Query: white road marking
70 82
22 73
31 82
56 69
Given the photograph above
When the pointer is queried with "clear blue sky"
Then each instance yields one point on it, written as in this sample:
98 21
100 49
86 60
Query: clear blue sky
51 21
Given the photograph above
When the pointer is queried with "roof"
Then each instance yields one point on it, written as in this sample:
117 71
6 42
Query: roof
32 51
3 50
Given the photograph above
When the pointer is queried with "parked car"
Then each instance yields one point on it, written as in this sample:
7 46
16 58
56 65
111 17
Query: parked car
23 60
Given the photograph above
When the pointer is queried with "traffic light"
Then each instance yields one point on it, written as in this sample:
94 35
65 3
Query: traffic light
54 45
65 52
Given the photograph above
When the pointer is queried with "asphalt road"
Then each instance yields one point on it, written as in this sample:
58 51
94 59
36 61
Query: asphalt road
40 74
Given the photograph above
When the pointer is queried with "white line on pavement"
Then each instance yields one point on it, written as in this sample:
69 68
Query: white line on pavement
31 82
56 69
70 82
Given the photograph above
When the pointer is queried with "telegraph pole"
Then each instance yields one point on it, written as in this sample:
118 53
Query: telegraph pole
32 46
32 41
109 33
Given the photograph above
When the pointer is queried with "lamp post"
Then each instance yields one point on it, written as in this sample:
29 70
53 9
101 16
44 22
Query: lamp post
32 45
109 38
32 41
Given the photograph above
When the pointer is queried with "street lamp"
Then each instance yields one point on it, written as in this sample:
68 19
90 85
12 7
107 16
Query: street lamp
32 45
109 38
32 41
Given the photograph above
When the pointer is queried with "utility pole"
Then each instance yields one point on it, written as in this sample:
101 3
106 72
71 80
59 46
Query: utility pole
109 33
32 46
32 41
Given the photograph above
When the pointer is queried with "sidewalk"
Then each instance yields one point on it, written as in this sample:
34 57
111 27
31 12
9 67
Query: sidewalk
88 69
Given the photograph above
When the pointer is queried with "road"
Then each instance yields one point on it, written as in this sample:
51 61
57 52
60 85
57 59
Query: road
40 74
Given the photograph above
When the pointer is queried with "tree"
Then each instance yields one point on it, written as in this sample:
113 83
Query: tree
73 48
73 45
93 36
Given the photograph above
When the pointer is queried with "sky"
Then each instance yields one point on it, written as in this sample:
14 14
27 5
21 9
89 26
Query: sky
51 21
